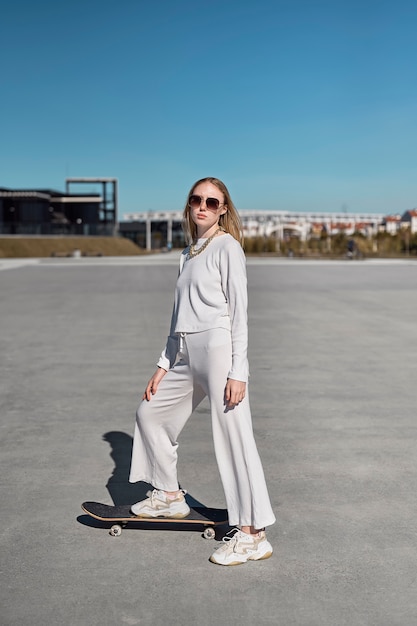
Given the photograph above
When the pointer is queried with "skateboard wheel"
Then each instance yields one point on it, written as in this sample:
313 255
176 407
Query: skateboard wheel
116 530
209 533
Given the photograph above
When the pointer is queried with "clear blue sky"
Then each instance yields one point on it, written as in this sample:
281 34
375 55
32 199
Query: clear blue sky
297 105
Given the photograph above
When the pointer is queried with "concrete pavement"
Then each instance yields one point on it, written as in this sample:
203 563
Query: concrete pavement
333 390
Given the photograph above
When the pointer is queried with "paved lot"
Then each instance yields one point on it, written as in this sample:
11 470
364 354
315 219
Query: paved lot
333 354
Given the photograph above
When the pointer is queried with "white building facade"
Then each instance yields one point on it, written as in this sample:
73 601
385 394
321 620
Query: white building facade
278 224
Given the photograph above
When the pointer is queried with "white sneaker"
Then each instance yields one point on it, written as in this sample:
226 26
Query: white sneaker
242 547
159 505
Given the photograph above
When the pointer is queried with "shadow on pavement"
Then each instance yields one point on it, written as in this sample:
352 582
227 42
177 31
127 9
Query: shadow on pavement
118 486
124 493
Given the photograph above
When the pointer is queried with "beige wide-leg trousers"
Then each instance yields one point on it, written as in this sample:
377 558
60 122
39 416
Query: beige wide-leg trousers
201 370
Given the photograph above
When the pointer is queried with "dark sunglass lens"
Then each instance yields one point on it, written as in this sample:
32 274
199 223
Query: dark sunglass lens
212 203
194 201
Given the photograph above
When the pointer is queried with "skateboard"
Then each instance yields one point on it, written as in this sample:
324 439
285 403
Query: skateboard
120 516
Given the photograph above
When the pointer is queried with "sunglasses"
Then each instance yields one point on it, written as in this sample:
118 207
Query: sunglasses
195 202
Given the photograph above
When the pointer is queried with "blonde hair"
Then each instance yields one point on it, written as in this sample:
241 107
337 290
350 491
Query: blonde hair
230 221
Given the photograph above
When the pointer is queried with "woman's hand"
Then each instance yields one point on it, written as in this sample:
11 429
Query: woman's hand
152 386
234 392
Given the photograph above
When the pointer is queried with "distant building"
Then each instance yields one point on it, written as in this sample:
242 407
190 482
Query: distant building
156 229
50 212
391 224
409 220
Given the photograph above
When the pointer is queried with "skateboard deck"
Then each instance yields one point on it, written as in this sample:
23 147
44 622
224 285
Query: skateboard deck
121 516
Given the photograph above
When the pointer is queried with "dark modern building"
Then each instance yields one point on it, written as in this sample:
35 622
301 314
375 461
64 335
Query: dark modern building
49 212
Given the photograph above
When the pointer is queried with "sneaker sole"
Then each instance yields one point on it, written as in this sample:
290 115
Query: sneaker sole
146 516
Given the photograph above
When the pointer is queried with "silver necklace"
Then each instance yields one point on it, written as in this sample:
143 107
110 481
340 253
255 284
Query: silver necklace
193 252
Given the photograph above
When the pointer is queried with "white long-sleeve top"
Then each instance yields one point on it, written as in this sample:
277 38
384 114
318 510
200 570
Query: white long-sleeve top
211 292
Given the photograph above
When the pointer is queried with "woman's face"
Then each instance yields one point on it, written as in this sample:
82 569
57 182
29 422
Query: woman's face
206 218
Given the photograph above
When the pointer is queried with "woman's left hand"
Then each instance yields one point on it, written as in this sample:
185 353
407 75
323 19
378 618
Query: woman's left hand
234 392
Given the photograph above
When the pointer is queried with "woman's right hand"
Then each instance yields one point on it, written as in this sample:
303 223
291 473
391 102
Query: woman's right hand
152 386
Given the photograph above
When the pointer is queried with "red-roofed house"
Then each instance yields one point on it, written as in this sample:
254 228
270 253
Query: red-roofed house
317 228
348 228
391 224
365 228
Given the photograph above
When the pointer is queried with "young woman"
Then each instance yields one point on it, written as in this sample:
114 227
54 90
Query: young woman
206 355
